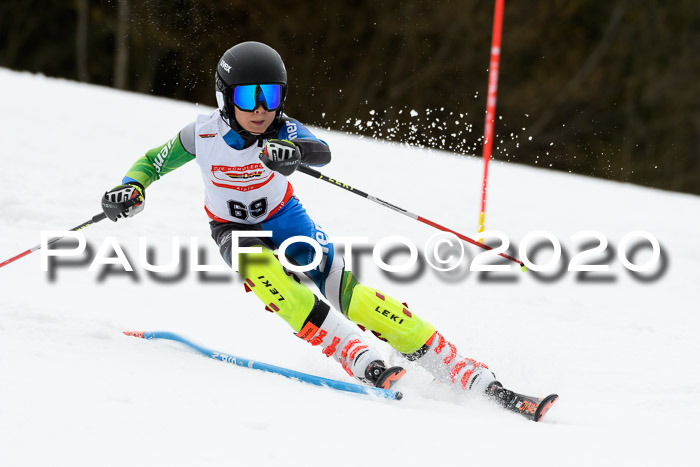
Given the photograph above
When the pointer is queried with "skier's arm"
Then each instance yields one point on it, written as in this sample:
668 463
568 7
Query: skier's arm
127 199
163 159
313 150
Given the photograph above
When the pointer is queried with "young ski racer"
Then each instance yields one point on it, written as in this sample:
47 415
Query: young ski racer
246 149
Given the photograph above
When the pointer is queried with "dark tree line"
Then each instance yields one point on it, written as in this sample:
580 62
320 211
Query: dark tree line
609 89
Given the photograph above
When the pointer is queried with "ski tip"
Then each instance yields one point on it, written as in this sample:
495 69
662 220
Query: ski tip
545 405
134 333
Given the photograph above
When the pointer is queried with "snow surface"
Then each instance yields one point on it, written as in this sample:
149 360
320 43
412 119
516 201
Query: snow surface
622 353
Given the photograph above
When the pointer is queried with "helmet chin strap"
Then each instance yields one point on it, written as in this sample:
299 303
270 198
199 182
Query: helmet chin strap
249 137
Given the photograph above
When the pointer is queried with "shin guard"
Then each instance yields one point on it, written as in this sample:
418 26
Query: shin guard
281 293
311 318
388 319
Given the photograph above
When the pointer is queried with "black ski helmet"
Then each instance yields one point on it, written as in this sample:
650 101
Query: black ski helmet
249 63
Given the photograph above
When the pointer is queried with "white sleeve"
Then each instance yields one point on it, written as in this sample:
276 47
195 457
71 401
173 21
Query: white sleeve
187 138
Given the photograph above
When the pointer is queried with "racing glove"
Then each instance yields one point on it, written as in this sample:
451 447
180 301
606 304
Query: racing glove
281 155
123 201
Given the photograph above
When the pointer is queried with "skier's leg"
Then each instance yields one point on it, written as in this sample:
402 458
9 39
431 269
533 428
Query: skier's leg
311 319
373 310
415 338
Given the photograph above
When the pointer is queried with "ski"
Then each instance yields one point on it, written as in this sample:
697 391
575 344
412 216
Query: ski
255 365
532 408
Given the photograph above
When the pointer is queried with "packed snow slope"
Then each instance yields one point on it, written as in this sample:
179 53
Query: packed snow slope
621 350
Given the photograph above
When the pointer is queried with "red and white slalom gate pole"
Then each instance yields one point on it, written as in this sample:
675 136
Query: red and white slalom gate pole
491 102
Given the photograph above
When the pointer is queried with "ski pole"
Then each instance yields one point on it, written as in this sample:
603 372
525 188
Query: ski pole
95 218
314 173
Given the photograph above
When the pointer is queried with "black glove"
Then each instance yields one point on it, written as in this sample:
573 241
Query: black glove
281 155
123 201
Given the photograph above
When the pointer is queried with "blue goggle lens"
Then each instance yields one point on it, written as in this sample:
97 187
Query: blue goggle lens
249 96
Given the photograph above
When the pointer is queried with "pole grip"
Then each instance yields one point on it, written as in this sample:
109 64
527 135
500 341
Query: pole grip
309 171
99 217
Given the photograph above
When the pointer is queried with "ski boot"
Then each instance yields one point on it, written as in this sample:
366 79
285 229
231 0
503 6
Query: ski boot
347 347
442 360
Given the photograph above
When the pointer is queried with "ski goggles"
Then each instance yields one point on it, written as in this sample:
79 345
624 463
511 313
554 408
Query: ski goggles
249 96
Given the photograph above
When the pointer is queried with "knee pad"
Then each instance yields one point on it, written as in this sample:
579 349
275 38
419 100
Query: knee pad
280 292
388 319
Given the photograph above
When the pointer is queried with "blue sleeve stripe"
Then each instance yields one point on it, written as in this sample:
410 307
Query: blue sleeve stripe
126 180
293 129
